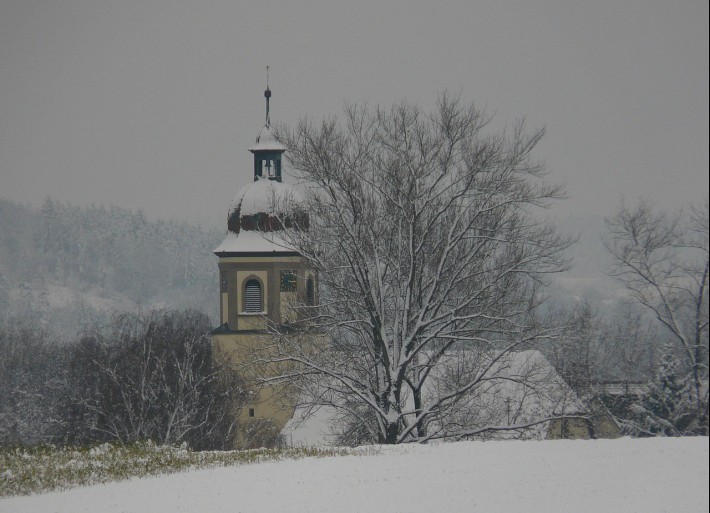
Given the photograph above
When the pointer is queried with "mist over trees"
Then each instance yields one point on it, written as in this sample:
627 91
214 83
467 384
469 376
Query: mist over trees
73 368
662 259
595 347
65 266
651 349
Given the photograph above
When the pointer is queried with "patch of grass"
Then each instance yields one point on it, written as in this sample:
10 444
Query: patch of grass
40 469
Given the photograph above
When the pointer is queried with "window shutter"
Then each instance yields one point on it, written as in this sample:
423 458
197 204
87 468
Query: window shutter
310 292
252 296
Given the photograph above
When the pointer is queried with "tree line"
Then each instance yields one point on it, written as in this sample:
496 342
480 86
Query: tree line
140 377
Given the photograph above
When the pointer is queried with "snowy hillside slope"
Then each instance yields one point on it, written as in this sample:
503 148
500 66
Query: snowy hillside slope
68 267
562 476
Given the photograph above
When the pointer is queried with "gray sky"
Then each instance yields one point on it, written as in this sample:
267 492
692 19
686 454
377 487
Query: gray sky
153 104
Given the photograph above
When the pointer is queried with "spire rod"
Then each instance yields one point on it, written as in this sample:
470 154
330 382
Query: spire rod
267 95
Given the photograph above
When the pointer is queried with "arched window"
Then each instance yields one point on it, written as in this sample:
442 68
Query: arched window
252 296
310 291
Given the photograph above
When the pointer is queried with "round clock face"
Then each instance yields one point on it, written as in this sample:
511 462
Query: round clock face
288 281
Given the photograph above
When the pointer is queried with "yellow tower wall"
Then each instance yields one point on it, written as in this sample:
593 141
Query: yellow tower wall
242 336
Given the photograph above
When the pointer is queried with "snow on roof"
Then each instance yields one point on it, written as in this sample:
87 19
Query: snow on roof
264 195
310 428
504 400
266 141
252 242
525 388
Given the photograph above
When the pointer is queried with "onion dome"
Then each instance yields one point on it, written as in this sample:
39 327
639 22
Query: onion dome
266 206
258 215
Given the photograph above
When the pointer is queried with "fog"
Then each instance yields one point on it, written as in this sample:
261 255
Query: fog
153 105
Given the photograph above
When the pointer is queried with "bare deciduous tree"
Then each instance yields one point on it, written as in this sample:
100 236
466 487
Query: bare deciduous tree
577 356
31 386
424 235
662 260
157 379
142 377
629 345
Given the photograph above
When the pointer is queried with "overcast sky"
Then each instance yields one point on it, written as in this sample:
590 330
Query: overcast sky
153 104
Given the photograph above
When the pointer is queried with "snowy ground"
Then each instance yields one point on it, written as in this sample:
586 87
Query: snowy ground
625 475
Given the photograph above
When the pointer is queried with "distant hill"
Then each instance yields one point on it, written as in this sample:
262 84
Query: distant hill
64 266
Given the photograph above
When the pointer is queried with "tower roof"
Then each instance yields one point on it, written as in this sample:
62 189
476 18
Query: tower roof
266 197
257 216
266 207
266 141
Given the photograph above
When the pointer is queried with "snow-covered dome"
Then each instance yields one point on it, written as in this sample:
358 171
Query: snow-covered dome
264 205
258 213
266 196
262 210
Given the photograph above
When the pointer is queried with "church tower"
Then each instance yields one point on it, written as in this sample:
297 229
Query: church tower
261 280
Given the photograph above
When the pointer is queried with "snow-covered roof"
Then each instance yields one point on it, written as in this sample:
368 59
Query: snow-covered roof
266 196
504 400
252 242
266 141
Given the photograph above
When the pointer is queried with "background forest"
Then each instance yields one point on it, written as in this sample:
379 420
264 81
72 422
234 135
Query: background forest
93 345
68 267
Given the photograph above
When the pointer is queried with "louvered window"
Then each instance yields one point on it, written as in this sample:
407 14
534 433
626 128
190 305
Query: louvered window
310 292
252 296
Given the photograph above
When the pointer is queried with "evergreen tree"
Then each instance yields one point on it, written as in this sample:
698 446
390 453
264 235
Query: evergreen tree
668 409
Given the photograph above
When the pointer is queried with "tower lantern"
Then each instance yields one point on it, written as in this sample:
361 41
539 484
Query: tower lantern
267 155
267 150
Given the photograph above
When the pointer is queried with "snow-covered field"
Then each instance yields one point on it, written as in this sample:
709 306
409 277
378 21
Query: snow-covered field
625 475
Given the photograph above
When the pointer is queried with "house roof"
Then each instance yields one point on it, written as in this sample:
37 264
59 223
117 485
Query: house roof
503 400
